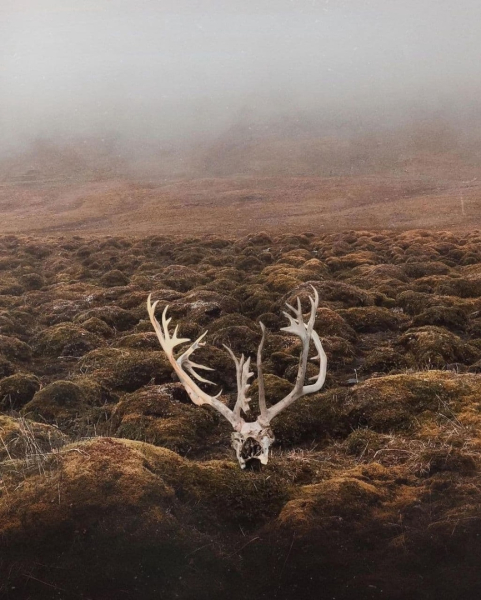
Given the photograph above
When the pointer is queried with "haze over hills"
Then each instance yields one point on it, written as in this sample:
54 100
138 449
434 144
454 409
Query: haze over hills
287 173
194 116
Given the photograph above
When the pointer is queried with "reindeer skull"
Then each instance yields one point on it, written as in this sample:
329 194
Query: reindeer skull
250 440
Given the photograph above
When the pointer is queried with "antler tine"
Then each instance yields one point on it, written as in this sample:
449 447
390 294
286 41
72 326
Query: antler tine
314 306
168 344
189 365
157 327
264 419
321 376
243 375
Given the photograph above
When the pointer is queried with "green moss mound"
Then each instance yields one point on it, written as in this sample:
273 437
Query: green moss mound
165 416
98 327
276 388
443 316
17 390
66 339
125 368
14 349
114 278
114 316
371 319
433 347
67 403
29 441
6 367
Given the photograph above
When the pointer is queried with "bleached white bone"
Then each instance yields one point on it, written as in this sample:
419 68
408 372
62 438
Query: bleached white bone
258 432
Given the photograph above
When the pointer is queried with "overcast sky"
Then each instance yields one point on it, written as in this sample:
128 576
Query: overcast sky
162 68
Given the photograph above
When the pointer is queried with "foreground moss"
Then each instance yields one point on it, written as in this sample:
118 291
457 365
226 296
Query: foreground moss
371 488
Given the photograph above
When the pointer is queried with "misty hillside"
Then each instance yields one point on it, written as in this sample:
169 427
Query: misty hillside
302 147
294 145
278 175
51 163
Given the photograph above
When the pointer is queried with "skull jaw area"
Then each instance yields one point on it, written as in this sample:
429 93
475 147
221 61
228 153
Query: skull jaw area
252 444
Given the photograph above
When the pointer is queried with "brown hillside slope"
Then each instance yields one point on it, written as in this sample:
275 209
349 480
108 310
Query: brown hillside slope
240 186
241 205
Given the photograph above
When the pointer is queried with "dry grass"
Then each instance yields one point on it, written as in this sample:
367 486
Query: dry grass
28 453
241 205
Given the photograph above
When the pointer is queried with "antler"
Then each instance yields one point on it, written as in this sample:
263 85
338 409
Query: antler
306 332
243 375
263 417
168 344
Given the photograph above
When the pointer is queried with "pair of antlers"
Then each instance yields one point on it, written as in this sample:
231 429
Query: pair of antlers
258 431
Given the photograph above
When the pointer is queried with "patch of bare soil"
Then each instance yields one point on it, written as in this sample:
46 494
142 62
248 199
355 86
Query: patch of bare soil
113 484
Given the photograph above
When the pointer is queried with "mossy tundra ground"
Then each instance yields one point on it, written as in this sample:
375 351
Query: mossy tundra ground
113 485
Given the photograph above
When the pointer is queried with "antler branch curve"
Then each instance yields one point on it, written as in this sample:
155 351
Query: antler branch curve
251 440
168 344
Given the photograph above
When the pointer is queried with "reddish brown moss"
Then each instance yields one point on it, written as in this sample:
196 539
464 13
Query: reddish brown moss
435 347
17 390
65 339
14 349
165 416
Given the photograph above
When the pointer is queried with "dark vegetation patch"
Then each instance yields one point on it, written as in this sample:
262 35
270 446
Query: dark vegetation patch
164 416
17 390
113 484
65 339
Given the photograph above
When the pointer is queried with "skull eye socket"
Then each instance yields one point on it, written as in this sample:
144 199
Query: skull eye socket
251 449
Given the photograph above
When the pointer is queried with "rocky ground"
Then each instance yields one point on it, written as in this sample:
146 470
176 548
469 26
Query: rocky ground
114 485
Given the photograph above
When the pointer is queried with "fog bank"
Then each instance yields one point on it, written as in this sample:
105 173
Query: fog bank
181 73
